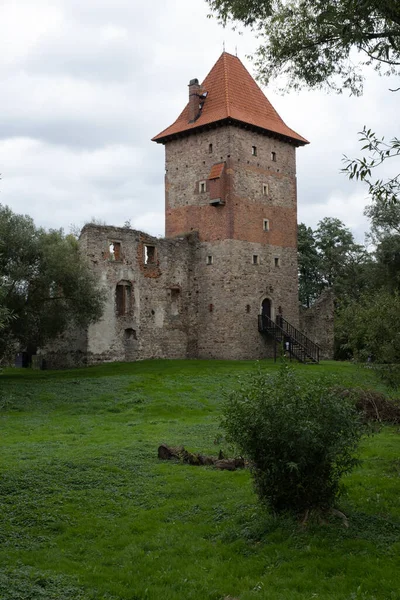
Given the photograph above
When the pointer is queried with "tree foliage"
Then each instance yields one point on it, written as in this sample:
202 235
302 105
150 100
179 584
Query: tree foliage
329 257
384 191
370 327
45 284
300 436
319 43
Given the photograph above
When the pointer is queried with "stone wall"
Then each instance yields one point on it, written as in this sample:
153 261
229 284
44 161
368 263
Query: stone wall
155 322
317 323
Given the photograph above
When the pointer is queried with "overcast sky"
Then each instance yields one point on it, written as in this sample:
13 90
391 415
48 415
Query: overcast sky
85 85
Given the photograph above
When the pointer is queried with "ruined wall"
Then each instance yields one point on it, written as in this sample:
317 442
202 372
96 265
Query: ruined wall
317 323
150 317
67 351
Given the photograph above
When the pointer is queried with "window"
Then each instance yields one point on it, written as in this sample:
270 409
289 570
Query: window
210 148
115 250
277 262
175 296
211 307
123 296
209 260
130 334
265 224
247 308
256 259
202 187
149 255
254 150
273 156
265 189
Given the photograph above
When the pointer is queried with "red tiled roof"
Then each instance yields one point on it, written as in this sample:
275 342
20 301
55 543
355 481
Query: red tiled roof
216 171
232 94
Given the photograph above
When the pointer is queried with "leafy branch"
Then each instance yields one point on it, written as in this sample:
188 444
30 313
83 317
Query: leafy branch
381 190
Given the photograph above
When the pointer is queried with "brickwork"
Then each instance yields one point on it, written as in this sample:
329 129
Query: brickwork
231 227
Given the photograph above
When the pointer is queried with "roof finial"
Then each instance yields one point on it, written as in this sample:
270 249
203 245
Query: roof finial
236 51
223 46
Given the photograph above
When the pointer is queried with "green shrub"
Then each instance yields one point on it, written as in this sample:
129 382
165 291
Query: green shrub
299 435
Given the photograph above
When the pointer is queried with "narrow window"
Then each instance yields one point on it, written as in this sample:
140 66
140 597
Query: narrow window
247 308
202 187
149 255
256 259
115 250
211 307
209 260
277 262
273 156
265 224
265 189
210 148
123 295
175 295
254 150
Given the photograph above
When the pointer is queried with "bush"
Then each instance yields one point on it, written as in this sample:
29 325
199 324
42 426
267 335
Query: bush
300 437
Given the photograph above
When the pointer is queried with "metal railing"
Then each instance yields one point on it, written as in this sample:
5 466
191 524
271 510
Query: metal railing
298 344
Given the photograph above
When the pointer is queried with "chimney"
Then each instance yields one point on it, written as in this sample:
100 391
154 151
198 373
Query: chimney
194 100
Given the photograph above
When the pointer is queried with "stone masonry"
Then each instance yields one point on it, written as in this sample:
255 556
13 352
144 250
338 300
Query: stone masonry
231 237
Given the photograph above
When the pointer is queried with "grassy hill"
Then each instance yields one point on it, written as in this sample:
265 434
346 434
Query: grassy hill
87 511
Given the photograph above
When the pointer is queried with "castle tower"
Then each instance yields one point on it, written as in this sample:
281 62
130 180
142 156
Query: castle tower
231 176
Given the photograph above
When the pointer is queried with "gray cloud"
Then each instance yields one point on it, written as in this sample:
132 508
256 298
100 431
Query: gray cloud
85 85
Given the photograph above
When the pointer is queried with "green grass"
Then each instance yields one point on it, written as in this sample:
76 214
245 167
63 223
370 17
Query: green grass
87 511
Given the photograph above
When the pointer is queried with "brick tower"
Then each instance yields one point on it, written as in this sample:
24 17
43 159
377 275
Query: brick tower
231 176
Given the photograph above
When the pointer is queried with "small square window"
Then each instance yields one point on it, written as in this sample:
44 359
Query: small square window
265 189
202 187
265 224
209 260
254 150
273 156
277 262
256 259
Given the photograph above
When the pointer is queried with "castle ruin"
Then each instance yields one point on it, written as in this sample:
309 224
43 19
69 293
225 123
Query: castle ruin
227 269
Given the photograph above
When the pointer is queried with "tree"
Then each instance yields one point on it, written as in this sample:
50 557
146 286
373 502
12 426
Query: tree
370 327
309 268
299 436
328 257
45 283
319 43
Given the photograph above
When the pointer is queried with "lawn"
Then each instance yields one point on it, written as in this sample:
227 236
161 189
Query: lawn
89 512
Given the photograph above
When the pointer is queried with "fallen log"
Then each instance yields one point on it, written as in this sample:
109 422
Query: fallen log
179 453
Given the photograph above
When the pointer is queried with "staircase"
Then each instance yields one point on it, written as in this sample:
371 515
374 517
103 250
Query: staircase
294 341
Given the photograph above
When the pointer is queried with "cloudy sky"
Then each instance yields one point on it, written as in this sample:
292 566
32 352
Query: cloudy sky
86 84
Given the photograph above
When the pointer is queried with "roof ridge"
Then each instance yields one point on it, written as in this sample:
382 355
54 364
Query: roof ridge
226 82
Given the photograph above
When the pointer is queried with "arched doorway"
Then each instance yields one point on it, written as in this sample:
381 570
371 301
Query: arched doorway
266 308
